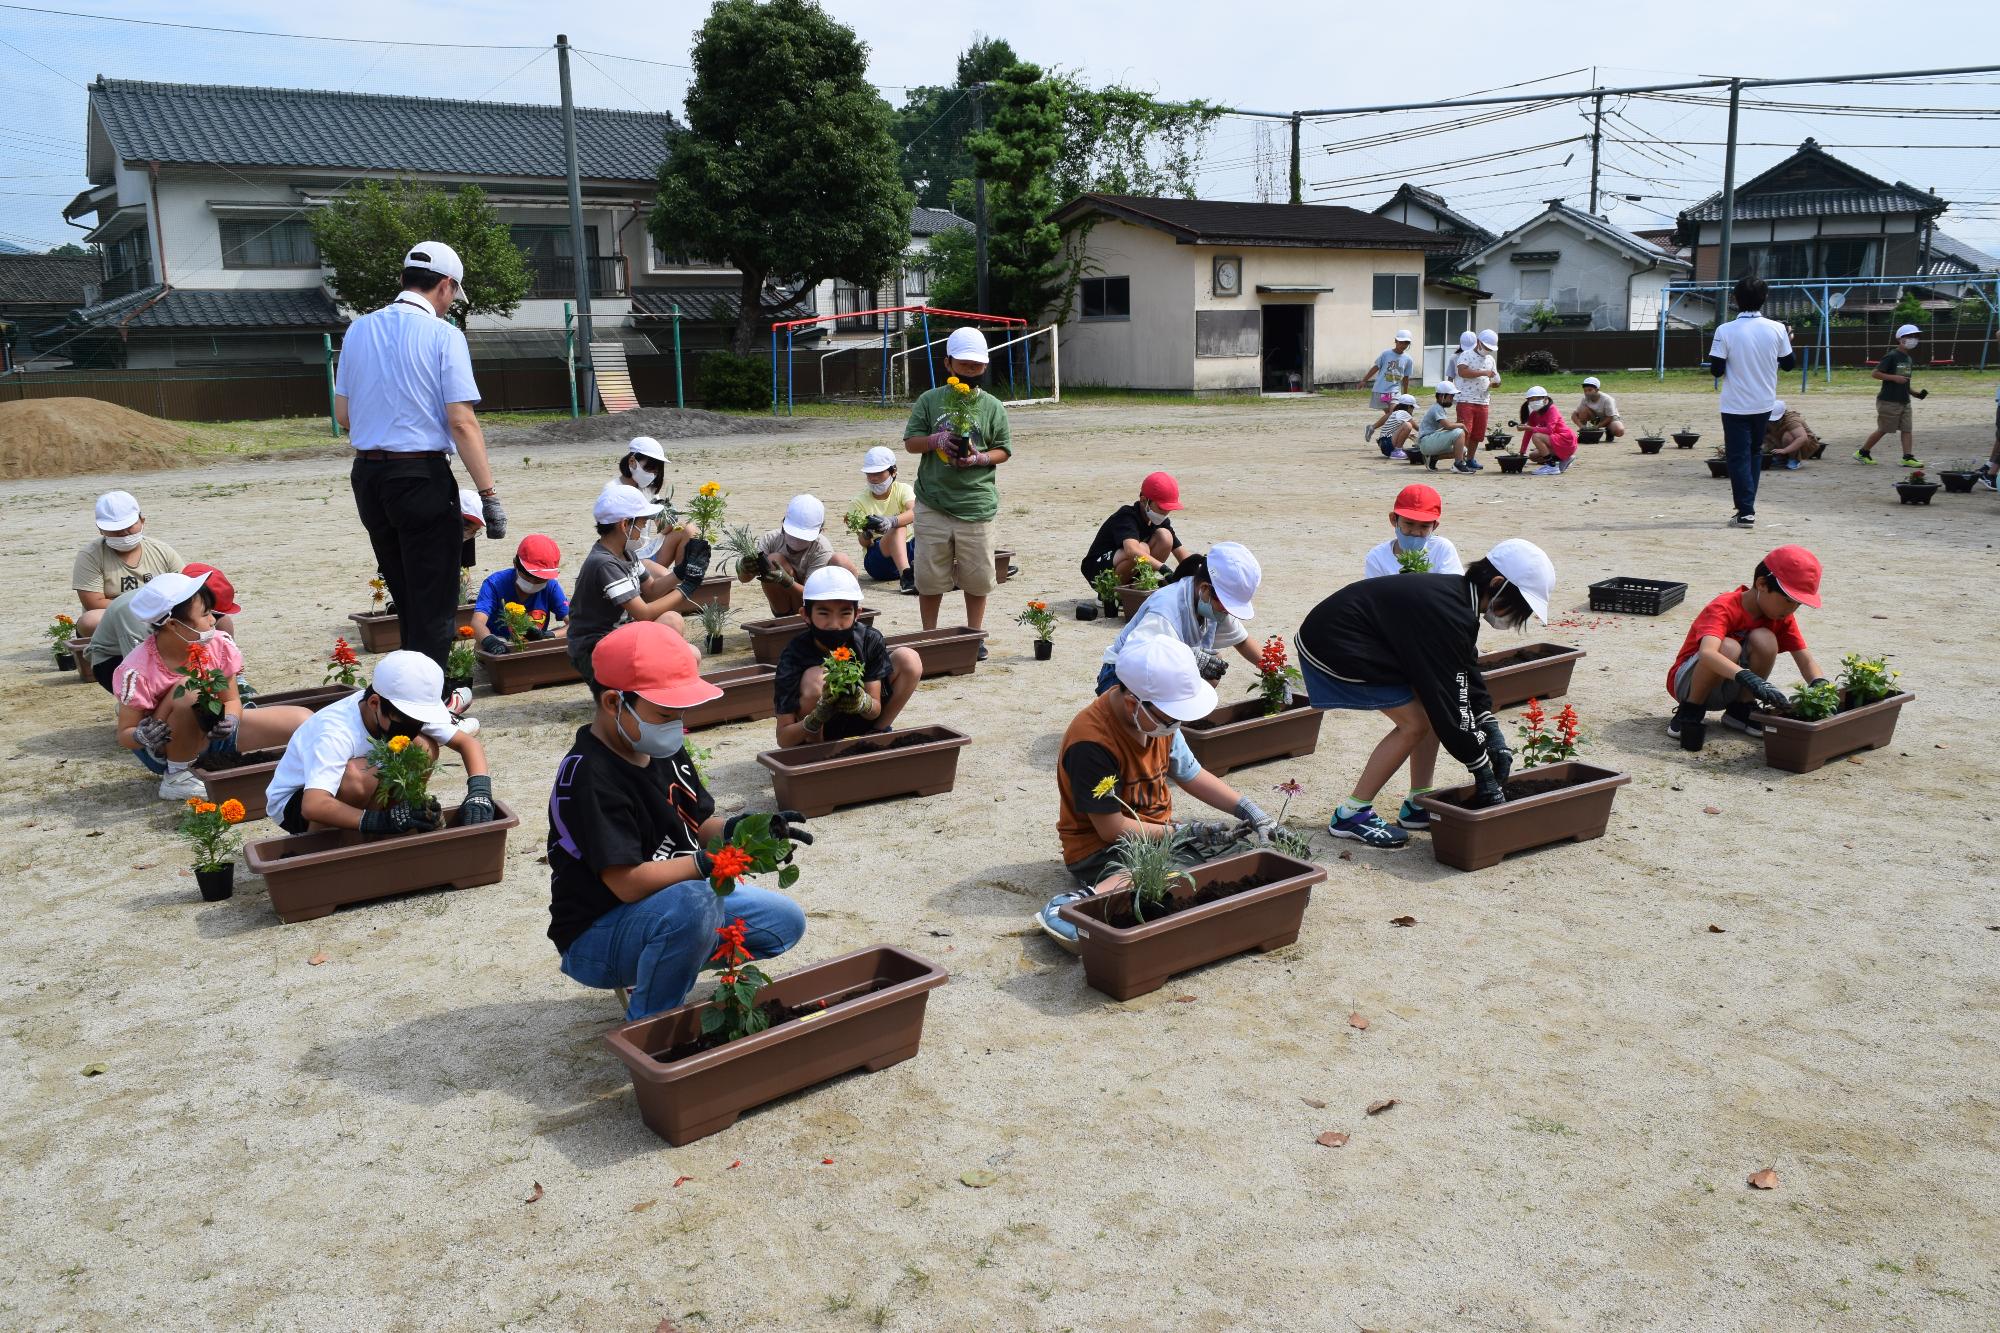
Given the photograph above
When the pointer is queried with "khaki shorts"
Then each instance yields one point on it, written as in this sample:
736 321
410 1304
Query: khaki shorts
953 551
1894 416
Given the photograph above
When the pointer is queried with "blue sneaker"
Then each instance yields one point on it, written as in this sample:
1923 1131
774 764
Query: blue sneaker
1792 465
1413 817
1475 465
1057 929
1365 826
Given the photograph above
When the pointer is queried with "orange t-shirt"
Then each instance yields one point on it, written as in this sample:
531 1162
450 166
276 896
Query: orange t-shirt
1100 744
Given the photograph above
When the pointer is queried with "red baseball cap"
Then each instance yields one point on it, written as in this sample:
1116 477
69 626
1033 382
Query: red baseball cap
225 591
1163 491
1419 504
1797 573
539 555
653 662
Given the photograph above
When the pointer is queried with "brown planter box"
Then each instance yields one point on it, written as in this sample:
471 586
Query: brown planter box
818 779
1133 961
384 633
1801 747
1130 599
768 638
545 663
714 591
80 649
245 783
313 698
1003 562
748 693
310 874
874 1018
1538 671
1476 839
945 652
1236 735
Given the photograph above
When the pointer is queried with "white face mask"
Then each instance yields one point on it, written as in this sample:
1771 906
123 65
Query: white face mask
880 487
1909 344
126 543
528 585
1139 724
183 633
647 548
647 477
1493 616
1155 516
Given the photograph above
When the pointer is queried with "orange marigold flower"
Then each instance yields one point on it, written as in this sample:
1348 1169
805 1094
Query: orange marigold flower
205 808
843 655
233 811
465 631
1038 606
194 802
730 863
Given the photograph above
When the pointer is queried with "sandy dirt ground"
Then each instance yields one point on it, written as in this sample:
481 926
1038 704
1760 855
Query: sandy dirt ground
1585 1072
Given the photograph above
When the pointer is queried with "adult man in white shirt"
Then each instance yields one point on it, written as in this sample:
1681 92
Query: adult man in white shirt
1747 354
405 393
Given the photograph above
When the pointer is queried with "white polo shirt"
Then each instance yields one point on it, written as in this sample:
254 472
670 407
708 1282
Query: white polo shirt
1752 346
400 366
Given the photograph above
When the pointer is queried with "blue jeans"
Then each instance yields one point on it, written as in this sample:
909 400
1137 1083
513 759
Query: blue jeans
880 567
657 945
1743 440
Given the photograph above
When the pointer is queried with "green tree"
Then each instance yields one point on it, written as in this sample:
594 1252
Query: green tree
786 167
365 232
1121 141
934 121
70 250
1017 155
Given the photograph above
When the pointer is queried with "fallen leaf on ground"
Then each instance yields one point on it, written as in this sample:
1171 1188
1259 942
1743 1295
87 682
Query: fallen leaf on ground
977 1177
1347 856
1711 810
1333 1138
1184 999
1878 617
1357 1021
1767 1179
642 1207
316 959
1319 1105
681 1180
94 1069
1402 921
1377 1108
98 832
534 1193
1716 930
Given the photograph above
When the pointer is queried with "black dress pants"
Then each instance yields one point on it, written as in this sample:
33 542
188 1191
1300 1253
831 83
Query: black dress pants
409 504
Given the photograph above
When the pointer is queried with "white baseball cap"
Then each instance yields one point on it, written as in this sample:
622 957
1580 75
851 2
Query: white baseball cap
831 583
469 507
437 257
1406 400
1537 392
1466 341
647 447
618 502
1777 409
804 517
1908 331
159 595
414 685
1590 382
1161 670
116 511
966 345
1236 576
1528 568
1403 336
878 459
1445 389
1488 338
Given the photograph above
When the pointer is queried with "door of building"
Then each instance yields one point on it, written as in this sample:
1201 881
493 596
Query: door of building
1288 348
1441 330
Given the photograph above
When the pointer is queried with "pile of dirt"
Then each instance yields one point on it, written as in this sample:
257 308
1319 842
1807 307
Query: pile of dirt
63 437
662 423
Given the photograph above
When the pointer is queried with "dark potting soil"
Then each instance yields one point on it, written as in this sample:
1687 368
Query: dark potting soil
222 763
1123 918
1518 789
895 740
777 1014
1533 653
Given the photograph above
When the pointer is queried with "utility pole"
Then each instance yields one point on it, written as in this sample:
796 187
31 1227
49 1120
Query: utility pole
586 376
1596 137
979 197
1728 196
1297 184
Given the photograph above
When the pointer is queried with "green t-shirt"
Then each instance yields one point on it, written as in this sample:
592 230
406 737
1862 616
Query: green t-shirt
1897 362
967 493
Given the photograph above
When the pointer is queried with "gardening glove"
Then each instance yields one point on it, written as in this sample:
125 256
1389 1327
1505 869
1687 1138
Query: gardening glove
694 561
495 514
1819 680
1498 752
1261 824
876 525
493 644
815 721
1204 836
1763 690
153 735
477 807
786 824
1921 393
940 439
402 817
1487 789
224 728
1212 666
851 703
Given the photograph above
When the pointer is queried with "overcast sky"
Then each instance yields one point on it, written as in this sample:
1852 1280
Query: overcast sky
1313 58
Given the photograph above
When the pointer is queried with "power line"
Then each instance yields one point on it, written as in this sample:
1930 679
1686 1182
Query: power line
1447 166
252 32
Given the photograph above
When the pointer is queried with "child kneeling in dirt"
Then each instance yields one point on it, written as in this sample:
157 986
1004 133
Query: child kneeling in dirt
619 582
530 583
1546 438
1143 529
806 713
1413 524
325 779
888 536
790 554
1735 641
1789 437
630 904
158 723
1408 648
1116 760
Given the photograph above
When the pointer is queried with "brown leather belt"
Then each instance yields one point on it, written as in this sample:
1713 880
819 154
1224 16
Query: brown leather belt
384 455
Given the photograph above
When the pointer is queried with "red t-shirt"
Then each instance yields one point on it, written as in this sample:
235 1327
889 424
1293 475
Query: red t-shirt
1725 618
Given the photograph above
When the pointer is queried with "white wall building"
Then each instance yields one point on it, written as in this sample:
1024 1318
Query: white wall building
1592 274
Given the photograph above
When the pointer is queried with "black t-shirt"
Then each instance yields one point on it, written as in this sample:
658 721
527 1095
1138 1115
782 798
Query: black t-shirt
805 652
1129 523
1898 362
603 585
604 812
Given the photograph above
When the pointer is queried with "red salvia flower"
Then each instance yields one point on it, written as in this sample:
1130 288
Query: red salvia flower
732 939
1566 725
730 863
197 656
1534 715
343 655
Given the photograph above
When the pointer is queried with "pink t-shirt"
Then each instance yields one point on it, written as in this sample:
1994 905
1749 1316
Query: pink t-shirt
1548 421
143 680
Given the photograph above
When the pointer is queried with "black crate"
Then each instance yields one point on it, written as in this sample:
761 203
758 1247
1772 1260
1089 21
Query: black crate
1639 597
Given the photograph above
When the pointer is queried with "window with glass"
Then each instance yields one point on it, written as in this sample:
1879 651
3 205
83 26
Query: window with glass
1107 298
1396 293
264 243
1535 283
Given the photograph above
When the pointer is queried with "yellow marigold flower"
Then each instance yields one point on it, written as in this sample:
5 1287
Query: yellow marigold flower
962 388
398 744
516 609
952 380
1105 787
233 811
711 489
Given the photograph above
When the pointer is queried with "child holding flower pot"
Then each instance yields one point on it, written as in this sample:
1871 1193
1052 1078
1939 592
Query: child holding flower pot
120 631
1546 436
790 554
530 583
962 434
618 582
888 510
1117 757
177 693
1143 528
1413 524
836 648
1727 656
325 779
635 848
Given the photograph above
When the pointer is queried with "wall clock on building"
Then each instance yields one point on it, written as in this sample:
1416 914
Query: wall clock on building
1228 275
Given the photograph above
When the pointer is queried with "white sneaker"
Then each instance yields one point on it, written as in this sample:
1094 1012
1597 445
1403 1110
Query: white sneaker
468 726
461 699
1548 470
182 786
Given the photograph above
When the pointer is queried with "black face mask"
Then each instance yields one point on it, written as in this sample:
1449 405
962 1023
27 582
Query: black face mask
396 723
830 639
975 379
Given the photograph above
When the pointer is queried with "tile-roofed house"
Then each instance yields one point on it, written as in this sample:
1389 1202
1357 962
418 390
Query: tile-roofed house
1230 222
1424 208
1595 275
37 292
1810 216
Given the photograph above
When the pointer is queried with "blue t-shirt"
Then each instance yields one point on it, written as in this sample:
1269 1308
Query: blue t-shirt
1391 369
500 588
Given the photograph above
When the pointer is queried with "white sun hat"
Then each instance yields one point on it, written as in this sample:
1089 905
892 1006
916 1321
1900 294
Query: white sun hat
1162 672
647 447
831 583
804 517
1528 568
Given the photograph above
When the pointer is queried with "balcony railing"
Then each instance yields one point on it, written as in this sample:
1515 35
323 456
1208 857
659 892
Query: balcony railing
555 279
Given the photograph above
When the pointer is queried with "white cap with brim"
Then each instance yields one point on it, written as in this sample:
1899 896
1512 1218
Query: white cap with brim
647 447
1527 567
437 257
831 583
1162 671
1777 409
1488 338
1236 576
878 459
1406 400
158 596
1537 392
1467 340
413 685
805 517
1908 331
116 511
1446 389
1590 382
469 507
966 345
1403 336
618 502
